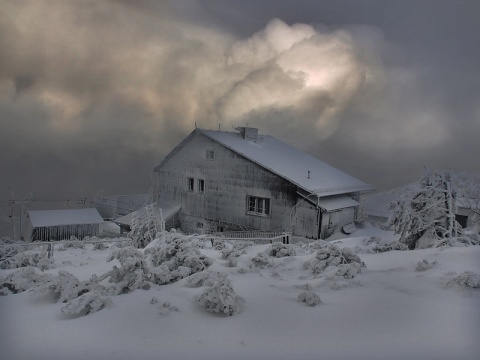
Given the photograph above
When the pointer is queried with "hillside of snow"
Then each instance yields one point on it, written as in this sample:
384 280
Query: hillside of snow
354 298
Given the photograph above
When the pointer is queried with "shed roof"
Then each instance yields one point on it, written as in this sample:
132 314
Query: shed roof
336 202
303 170
167 213
44 218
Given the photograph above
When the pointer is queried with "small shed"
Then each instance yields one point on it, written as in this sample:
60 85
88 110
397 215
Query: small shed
47 225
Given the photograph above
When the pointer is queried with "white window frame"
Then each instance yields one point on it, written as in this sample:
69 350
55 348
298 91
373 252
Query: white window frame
258 206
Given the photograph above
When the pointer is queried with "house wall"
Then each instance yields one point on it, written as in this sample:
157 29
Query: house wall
229 179
64 232
333 221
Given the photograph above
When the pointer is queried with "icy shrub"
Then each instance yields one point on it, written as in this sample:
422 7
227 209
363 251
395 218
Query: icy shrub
332 256
236 250
132 273
468 279
174 258
73 243
24 279
232 262
260 260
425 265
218 244
167 308
317 245
377 245
309 297
221 298
281 250
100 246
86 303
24 259
204 278
348 271
65 287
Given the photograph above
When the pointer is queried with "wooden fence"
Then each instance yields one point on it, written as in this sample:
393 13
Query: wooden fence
258 237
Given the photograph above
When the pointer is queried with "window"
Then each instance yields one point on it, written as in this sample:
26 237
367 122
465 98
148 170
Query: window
201 185
258 206
190 184
210 154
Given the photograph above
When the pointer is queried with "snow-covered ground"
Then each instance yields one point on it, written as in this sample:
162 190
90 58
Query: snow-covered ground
390 310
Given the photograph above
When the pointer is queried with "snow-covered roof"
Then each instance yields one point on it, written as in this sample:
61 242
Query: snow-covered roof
167 212
303 170
43 218
336 202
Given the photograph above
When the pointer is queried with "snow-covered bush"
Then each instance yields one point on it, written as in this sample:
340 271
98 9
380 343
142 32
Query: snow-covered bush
174 257
65 287
132 274
86 303
221 298
281 250
317 245
28 258
24 279
348 264
260 260
237 249
468 279
73 243
232 262
203 278
309 297
425 265
379 245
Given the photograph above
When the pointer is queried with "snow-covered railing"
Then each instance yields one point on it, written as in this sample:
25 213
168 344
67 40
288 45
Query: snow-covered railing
258 237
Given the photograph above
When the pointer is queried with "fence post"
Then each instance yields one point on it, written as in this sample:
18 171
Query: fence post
50 250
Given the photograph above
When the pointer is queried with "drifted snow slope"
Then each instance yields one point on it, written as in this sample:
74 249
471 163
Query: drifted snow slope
388 311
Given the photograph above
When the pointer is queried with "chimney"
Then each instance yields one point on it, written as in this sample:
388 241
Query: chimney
247 133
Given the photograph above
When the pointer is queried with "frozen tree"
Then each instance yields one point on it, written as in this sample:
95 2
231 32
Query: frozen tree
468 188
146 225
426 217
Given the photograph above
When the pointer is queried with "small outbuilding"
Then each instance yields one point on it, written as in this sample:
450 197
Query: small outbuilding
48 225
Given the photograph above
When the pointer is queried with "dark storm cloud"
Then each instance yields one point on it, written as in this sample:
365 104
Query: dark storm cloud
94 94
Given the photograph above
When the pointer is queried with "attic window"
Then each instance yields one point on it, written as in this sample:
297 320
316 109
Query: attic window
210 154
258 206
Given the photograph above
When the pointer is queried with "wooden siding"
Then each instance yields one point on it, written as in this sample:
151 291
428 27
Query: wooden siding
229 179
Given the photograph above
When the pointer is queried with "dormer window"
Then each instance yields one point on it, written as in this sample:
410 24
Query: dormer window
210 154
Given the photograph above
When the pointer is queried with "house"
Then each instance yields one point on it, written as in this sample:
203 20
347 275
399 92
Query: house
47 225
231 181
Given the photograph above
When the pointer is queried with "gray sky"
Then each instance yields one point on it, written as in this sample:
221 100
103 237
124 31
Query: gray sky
93 94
